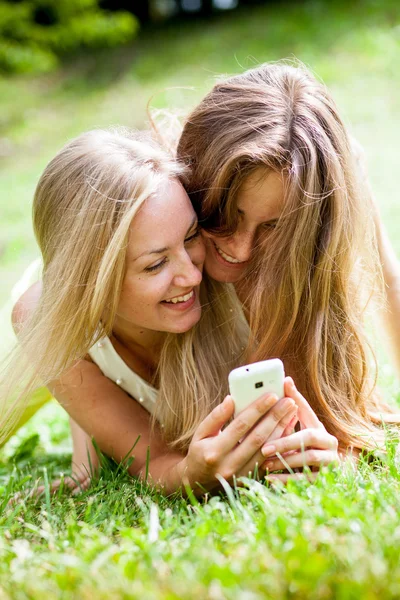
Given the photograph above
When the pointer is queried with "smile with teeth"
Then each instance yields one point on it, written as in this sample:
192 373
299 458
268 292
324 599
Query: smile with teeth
180 298
228 258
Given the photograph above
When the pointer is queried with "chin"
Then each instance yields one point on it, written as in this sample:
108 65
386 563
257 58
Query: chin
186 323
183 328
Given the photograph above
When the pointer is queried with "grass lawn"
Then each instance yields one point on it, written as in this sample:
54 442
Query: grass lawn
338 538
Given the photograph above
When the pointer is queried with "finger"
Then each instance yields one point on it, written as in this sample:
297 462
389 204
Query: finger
75 483
244 422
273 424
16 499
306 438
67 483
248 454
285 477
277 433
306 414
252 471
213 423
81 486
309 458
291 427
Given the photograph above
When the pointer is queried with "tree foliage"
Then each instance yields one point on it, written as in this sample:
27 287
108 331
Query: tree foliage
36 34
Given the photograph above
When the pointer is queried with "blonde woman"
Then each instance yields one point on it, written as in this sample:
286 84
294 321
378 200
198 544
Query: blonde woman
114 328
288 221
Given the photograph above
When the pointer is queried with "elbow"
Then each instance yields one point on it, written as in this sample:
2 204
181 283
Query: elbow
18 316
25 306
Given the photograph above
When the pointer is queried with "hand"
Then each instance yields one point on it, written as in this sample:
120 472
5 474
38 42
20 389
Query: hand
235 450
313 446
75 483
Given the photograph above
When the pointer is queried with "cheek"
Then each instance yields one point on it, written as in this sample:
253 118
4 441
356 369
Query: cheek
198 254
208 242
212 241
141 294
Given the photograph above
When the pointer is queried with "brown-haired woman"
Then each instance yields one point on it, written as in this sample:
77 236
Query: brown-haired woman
287 219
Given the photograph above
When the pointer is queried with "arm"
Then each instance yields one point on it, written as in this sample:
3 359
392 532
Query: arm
98 408
391 273
106 413
101 409
390 315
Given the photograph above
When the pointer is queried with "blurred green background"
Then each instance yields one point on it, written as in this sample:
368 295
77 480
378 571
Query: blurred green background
353 46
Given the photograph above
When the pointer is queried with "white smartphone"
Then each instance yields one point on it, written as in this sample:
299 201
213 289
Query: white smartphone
248 383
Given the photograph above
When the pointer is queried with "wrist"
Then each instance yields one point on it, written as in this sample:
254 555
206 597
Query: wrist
165 472
190 482
182 471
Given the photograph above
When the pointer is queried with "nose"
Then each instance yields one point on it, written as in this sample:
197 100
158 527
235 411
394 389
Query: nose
241 244
188 274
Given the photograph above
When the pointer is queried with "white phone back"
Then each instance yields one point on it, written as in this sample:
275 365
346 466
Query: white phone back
249 382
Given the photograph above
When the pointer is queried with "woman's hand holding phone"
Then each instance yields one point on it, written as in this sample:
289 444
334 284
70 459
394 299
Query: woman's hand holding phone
236 449
312 446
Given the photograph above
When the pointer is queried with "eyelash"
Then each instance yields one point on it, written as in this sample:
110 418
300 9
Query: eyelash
155 267
264 225
269 225
160 264
193 236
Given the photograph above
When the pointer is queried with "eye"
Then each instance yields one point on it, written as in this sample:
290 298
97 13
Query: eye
157 266
193 236
269 224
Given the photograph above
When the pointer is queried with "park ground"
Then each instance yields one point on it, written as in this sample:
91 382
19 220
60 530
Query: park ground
337 538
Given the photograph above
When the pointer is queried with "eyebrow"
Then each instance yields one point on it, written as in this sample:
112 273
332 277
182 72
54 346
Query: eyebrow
161 250
242 212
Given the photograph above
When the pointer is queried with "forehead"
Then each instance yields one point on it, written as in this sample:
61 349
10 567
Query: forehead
261 195
161 221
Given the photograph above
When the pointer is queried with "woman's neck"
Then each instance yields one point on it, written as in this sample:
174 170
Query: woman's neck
140 348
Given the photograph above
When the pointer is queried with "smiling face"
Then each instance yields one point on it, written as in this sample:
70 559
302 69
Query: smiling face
259 204
164 262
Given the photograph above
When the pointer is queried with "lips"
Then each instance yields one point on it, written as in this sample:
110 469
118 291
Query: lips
227 259
181 303
180 299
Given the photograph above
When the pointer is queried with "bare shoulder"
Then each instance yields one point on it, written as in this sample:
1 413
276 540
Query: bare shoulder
25 305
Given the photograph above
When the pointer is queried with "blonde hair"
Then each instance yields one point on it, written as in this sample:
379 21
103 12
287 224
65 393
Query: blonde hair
311 276
84 204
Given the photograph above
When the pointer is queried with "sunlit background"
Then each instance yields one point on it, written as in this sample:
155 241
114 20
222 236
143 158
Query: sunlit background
71 65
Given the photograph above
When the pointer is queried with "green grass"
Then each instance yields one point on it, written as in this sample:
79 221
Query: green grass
338 538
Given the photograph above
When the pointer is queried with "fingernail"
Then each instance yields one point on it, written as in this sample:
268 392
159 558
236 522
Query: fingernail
291 383
224 403
267 450
271 478
268 465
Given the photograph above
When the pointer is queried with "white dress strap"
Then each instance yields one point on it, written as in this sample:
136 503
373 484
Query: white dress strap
115 368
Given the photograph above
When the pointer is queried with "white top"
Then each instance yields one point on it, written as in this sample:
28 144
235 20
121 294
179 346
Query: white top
112 366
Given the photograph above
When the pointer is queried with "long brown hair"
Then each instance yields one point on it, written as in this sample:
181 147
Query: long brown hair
312 275
84 204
